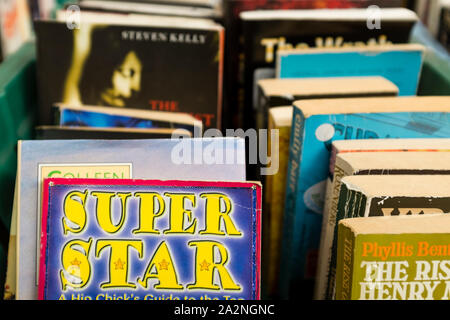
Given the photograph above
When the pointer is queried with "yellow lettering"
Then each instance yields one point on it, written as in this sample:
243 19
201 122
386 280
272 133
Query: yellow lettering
178 212
76 270
215 214
147 212
75 211
205 266
164 268
104 212
118 261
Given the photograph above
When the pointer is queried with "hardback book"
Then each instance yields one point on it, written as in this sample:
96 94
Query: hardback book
376 162
267 31
399 63
315 125
215 159
107 117
394 258
68 132
150 240
151 62
388 195
277 92
280 118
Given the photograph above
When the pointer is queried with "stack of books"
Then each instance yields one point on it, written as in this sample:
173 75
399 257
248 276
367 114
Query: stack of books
236 150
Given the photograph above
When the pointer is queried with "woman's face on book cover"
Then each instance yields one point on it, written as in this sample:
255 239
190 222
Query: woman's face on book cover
126 80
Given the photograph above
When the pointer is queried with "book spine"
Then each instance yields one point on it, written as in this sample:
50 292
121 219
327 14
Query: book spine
295 152
327 233
344 272
353 206
345 196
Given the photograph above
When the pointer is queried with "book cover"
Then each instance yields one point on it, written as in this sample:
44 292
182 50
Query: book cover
107 117
315 125
189 159
147 63
150 240
401 64
394 258
379 196
375 162
267 31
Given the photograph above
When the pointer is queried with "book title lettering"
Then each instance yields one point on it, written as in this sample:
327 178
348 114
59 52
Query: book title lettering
405 280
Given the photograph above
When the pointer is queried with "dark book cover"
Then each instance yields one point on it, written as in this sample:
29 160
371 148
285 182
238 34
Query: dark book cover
145 67
265 32
395 206
235 41
65 132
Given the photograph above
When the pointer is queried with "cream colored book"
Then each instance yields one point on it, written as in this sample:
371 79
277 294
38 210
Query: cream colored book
388 195
375 162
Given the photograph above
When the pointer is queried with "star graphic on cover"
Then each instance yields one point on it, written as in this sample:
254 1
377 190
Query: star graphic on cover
204 266
119 264
164 265
75 262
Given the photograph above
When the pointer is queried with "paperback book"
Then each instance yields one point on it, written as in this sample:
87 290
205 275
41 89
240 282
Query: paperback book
379 196
400 63
110 117
235 44
165 159
150 240
277 92
149 62
394 258
376 162
264 32
315 125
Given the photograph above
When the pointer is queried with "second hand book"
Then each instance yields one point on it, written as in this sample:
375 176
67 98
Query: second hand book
158 159
150 240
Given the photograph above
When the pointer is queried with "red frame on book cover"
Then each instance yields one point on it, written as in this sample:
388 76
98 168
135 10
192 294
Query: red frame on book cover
141 182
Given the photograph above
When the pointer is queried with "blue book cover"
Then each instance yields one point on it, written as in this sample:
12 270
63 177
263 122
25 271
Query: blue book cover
125 239
314 127
215 159
104 117
401 64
